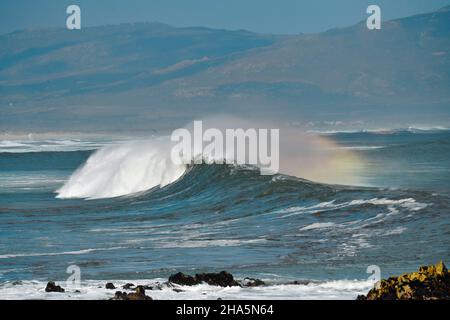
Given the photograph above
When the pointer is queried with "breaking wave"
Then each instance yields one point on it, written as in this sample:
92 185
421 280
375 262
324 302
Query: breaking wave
135 166
119 170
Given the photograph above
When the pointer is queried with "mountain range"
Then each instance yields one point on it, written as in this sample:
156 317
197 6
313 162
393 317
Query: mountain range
151 76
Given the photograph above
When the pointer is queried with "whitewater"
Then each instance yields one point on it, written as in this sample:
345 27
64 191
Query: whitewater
123 169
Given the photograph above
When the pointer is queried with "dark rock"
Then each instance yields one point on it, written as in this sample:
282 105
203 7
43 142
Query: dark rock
120 296
222 279
128 286
110 286
299 282
52 287
157 286
429 283
138 295
183 279
177 290
252 282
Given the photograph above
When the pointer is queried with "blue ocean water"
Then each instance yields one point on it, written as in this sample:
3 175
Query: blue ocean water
222 217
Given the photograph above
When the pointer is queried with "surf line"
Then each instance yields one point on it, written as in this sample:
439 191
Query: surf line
242 147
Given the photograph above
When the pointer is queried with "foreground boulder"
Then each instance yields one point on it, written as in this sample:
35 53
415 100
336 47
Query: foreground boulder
222 279
429 283
139 294
52 287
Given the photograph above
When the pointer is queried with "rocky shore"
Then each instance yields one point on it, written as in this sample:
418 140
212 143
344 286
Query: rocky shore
138 292
428 283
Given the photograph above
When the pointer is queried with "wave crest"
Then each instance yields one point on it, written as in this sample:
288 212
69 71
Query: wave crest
123 169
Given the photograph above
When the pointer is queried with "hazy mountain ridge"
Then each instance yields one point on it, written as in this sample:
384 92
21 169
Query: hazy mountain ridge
131 75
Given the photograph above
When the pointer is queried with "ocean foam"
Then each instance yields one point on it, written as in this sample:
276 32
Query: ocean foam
318 225
39 254
407 203
30 145
95 290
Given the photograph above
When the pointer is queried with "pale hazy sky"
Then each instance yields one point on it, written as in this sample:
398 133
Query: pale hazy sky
268 16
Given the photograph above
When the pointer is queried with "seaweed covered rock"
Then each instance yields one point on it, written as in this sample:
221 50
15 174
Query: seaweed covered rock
428 283
119 295
222 279
139 294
